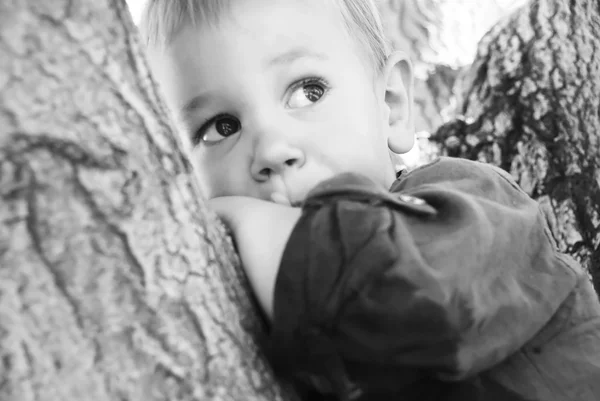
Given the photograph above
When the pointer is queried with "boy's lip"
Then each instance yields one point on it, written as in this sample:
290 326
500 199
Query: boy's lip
297 195
283 199
295 187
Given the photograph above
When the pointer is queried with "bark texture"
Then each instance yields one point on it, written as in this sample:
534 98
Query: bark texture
115 281
531 105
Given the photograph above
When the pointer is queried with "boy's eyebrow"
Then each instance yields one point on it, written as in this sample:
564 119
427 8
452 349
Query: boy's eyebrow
294 54
193 104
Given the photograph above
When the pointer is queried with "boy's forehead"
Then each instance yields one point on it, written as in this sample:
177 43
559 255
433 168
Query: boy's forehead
292 28
242 8
285 13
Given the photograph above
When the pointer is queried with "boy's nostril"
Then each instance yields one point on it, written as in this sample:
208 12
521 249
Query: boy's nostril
290 162
265 172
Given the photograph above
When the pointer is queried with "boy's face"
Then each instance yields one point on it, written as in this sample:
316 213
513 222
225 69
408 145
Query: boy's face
277 97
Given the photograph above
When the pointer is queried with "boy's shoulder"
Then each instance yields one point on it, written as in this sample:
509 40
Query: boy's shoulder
452 169
408 191
474 177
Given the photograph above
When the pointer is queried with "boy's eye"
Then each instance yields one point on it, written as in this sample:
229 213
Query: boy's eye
307 93
218 128
227 126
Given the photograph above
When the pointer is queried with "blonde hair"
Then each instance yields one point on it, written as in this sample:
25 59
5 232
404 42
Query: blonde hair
163 19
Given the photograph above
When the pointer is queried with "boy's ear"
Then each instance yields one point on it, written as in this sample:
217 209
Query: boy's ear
398 76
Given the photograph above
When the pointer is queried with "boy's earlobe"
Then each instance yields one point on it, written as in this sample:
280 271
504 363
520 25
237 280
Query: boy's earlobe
399 99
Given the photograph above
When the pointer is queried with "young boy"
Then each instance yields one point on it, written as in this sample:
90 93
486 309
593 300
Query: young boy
441 284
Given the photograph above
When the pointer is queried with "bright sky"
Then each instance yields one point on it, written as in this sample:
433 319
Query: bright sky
135 6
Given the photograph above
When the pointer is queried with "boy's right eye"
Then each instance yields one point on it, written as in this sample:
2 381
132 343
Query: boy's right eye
216 129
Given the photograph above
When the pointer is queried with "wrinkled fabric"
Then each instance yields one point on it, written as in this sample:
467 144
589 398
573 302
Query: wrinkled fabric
446 287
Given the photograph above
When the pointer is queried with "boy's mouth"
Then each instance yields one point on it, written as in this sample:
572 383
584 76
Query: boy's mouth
292 191
283 199
295 198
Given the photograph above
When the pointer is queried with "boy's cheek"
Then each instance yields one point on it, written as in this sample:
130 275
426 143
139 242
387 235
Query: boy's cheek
214 188
217 181
209 186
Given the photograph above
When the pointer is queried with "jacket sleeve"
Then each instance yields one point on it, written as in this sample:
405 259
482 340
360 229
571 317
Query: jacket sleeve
447 275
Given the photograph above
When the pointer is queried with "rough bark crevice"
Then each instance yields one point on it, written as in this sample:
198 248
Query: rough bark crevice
530 105
115 280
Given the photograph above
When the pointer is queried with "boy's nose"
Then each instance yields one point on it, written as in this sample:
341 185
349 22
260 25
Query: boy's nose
274 157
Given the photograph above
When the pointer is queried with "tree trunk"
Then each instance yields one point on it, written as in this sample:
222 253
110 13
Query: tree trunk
116 283
532 106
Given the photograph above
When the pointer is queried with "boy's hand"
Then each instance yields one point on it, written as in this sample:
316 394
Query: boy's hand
261 230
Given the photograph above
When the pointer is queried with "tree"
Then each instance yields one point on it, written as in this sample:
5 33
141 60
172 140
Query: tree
531 105
116 283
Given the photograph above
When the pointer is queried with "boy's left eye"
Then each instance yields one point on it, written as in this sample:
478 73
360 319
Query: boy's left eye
308 92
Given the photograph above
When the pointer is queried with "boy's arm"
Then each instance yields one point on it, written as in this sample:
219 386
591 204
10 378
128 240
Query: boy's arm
450 277
261 230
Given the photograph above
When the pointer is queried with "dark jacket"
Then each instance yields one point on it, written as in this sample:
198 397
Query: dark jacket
447 287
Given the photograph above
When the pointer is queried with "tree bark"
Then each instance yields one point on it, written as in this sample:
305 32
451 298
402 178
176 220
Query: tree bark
116 283
531 105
